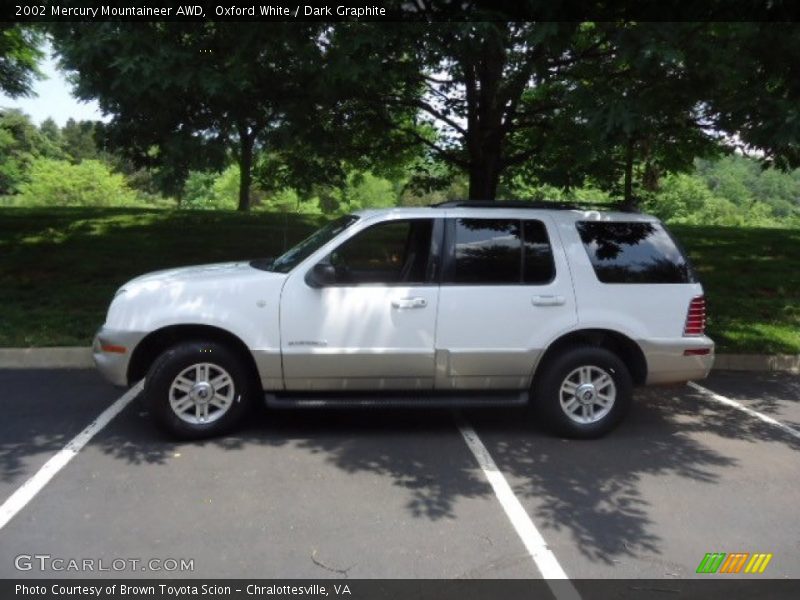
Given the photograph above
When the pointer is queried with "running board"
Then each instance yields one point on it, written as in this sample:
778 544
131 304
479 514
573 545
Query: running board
408 400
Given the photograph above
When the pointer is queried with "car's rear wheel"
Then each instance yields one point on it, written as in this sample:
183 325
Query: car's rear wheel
583 392
198 389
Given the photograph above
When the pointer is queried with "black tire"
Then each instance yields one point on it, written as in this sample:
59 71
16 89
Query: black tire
547 392
159 395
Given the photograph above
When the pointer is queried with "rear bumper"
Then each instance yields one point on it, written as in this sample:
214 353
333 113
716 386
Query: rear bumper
112 350
668 362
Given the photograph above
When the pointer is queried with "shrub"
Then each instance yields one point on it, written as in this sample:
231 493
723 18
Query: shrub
61 183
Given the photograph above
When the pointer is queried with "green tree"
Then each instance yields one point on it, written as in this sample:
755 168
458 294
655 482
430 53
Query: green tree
746 181
195 92
365 190
641 118
471 85
781 191
20 143
618 103
20 53
51 133
78 140
753 88
197 190
724 192
61 183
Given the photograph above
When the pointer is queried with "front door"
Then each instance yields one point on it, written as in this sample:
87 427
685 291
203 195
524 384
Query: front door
373 326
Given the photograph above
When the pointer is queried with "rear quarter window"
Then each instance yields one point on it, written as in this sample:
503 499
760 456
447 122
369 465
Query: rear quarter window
633 252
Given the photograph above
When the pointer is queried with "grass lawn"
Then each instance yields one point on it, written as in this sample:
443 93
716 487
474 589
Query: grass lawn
60 266
751 278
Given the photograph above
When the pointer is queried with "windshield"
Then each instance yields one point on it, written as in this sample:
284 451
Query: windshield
290 259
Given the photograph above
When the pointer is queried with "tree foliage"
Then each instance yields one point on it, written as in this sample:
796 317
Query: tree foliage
613 106
20 52
188 96
733 190
620 103
357 191
20 143
79 139
61 183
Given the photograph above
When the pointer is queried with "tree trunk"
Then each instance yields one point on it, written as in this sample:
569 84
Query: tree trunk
246 140
628 200
483 179
485 134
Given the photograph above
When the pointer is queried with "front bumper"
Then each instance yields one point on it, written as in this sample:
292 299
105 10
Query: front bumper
112 350
668 361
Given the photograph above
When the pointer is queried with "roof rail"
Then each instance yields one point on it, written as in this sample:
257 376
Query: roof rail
540 204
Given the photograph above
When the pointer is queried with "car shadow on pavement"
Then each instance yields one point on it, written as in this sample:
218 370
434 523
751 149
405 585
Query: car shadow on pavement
17 447
590 489
419 450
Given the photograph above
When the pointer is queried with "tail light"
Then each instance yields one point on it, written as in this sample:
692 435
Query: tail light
696 317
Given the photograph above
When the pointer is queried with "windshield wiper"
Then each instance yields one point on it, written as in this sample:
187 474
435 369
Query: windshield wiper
264 264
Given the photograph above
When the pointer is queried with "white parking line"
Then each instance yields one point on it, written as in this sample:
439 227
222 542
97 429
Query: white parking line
28 490
739 406
544 558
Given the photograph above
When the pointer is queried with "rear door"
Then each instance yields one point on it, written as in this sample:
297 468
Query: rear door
505 293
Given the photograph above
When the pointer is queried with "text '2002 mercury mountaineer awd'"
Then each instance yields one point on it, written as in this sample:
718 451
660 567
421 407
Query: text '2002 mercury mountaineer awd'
461 304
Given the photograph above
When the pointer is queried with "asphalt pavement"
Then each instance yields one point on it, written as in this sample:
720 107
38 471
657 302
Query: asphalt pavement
399 493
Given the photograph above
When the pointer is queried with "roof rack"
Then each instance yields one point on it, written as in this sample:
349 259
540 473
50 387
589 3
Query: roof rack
540 204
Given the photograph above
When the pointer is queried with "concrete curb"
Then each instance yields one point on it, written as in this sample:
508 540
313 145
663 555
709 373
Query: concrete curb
757 362
46 358
81 358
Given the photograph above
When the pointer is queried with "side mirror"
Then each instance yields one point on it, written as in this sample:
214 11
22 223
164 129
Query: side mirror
320 275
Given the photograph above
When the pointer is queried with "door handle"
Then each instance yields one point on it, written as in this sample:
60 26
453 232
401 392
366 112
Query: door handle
548 300
409 303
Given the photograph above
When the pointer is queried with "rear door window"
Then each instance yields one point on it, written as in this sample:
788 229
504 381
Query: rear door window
633 252
537 266
500 252
487 251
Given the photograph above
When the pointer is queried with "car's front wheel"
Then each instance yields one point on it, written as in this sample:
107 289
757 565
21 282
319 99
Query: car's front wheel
584 392
198 389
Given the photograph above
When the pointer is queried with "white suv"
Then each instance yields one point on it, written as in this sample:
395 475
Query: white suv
465 304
